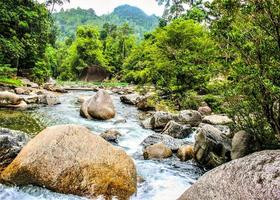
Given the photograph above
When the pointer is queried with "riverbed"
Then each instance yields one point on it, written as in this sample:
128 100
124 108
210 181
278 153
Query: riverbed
163 180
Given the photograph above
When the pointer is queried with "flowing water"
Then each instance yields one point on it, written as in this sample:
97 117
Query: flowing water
164 180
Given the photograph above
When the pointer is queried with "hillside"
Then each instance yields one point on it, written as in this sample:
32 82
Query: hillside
67 21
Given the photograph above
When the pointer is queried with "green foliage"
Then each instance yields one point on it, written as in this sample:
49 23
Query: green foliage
69 20
84 51
248 33
10 81
25 30
177 58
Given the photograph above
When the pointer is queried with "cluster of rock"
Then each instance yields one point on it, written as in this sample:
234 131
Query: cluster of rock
67 159
31 93
214 144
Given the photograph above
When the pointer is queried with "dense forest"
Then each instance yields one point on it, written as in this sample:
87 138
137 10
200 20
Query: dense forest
68 21
225 53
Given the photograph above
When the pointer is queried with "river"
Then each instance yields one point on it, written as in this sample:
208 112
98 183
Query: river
164 180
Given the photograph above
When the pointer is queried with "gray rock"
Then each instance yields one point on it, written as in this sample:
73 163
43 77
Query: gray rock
147 123
130 99
191 117
170 142
176 130
217 120
49 99
161 119
243 144
254 177
111 135
11 142
211 148
205 110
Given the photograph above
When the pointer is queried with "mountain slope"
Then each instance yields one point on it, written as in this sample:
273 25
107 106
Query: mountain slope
67 21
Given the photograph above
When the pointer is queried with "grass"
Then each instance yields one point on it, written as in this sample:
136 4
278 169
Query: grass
10 81
89 84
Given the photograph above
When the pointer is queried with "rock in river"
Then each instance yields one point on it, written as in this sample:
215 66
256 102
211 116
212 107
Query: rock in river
130 99
211 147
254 177
99 106
11 142
71 159
170 142
157 151
8 98
111 135
177 130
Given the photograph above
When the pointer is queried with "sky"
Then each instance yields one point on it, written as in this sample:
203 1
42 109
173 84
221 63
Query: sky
107 6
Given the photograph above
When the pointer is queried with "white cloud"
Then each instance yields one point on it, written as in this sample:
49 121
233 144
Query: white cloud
107 6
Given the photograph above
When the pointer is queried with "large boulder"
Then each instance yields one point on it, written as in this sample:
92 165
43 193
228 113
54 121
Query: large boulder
157 151
177 130
211 147
130 99
147 123
170 142
217 120
99 106
256 176
11 142
8 98
243 144
191 117
71 159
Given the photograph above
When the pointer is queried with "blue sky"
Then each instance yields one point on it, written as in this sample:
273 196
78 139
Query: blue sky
107 6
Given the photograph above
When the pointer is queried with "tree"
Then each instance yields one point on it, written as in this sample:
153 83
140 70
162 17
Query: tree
248 33
26 28
85 51
177 58
52 3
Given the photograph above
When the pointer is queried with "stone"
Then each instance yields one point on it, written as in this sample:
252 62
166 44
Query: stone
205 110
157 151
147 123
111 135
130 99
120 121
217 120
21 106
185 153
256 176
8 98
71 159
161 119
211 147
23 90
243 144
170 142
28 83
191 117
100 106
176 130
11 142
49 99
